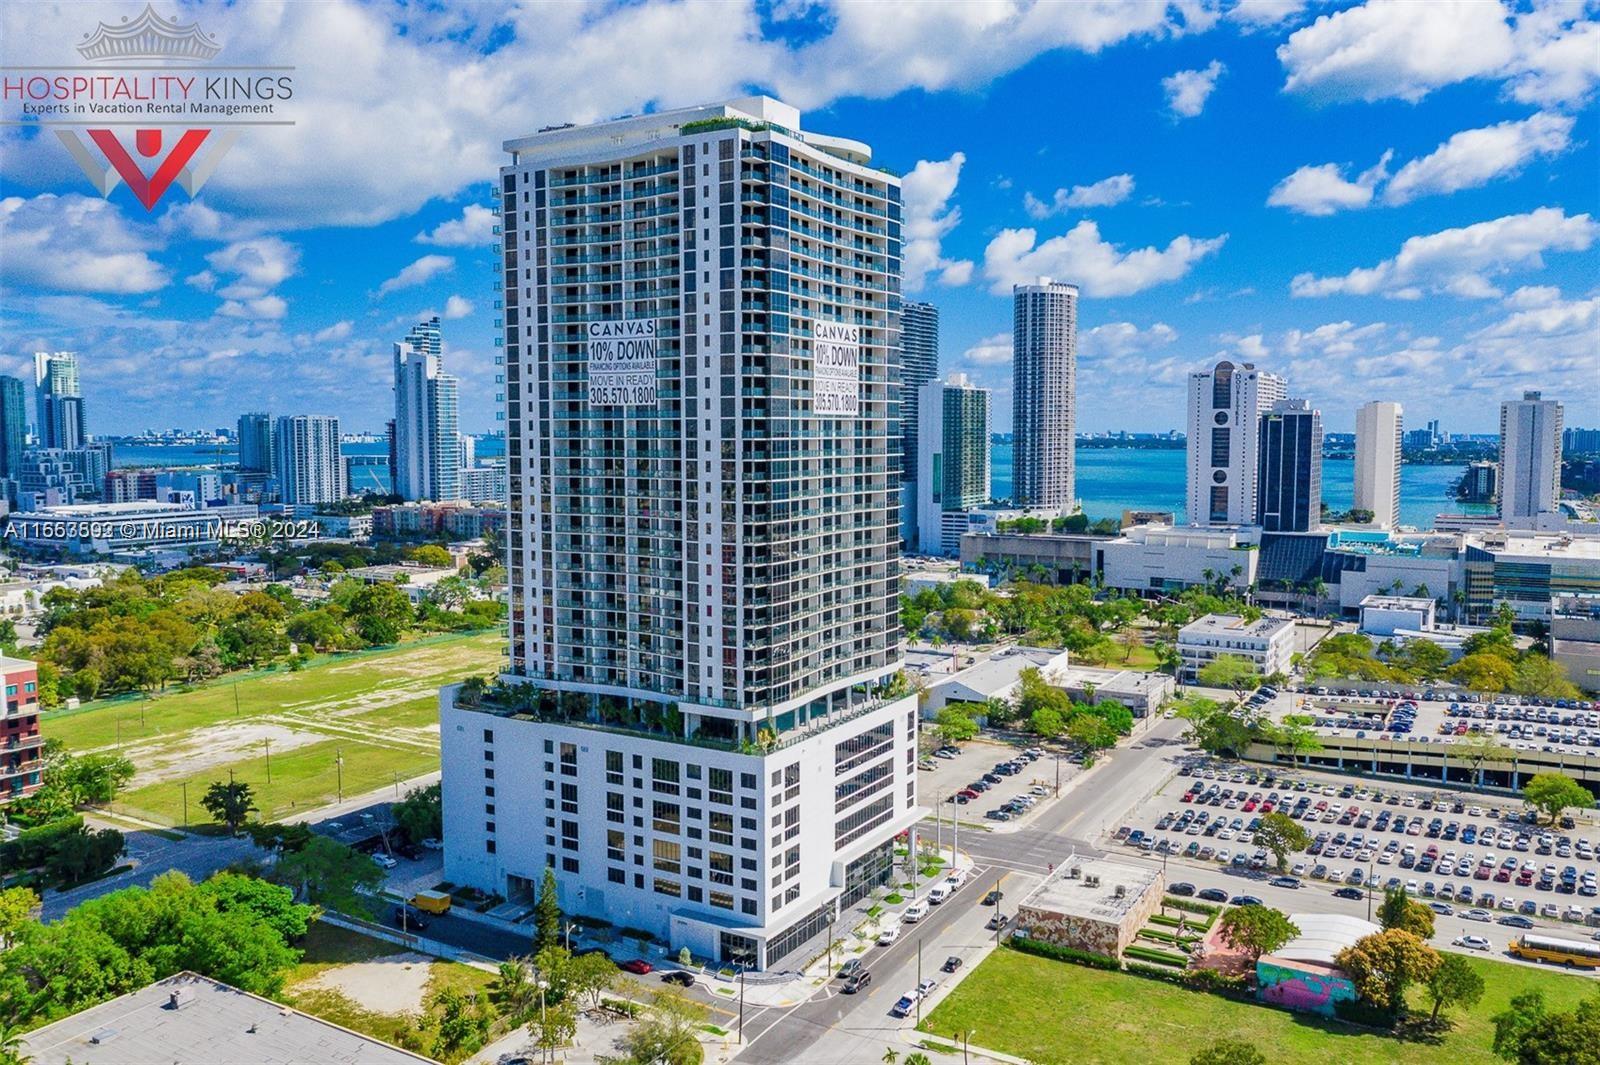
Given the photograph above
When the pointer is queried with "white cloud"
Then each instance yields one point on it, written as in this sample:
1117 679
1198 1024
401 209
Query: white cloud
474 228
205 280
1548 54
929 218
1457 260
419 272
1387 48
1098 267
457 307
73 243
337 331
990 351
1324 190
1107 192
263 262
1263 14
1476 157
1121 339
268 307
1188 90
1529 296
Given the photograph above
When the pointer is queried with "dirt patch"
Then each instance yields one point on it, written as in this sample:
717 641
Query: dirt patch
394 983
173 757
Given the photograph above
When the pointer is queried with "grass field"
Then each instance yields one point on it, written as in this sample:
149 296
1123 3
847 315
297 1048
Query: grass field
377 712
1055 1012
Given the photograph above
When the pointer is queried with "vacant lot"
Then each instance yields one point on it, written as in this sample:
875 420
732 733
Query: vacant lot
369 719
1050 1011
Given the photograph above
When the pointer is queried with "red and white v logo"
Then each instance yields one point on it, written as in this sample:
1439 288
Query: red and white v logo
149 190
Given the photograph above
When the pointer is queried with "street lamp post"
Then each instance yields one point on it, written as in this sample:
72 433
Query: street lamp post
338 766
919 979
741 960
966 1042
184 785
267 743
544 1049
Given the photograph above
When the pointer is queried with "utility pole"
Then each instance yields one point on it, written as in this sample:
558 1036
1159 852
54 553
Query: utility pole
999 918
741 996
236 698
338 766
184 785
919 979
267 742
1058 774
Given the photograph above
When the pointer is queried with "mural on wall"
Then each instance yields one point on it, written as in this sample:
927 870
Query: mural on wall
1068 930
1300 989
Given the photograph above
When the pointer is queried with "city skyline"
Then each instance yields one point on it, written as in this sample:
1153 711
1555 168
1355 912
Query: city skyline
1303 256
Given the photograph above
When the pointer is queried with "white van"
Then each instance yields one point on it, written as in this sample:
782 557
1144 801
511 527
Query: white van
915 912
938 893
956 878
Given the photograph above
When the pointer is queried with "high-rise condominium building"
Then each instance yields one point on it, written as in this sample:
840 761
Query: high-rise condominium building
1379 427
13 426
1289 464
306 456
952 461
425 443
1226 403
919 364
1044 343
60 403
255 442
1577 441
700 731
1530 456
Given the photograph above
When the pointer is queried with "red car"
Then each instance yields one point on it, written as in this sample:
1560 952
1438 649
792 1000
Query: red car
637 966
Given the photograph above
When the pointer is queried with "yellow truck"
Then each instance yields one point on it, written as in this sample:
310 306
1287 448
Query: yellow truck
432 901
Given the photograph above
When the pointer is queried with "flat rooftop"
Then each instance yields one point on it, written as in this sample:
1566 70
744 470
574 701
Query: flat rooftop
1001 671
1093 892
1397 602
209 1023
1234 625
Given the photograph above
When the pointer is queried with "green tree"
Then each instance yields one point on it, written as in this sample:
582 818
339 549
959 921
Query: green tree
83 854
1091 733
1295 736
1213 727
1399 910
590 976
329 874
430 555
420 815
1553 793
1256 930
667 1034
271 904
917 1057
1484 672
1229 1052
1383 965
1513 1023
1230 671
1530 1034
1046 722
953 725
88 778
1454 983
462 1021
514 990
320 630
17 906
380 612
547 914
554 1027
1282 836
229 803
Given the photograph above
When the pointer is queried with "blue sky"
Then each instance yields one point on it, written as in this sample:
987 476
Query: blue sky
1382 200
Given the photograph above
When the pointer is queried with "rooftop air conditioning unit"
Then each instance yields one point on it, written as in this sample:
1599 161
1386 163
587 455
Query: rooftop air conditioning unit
1075 872
1122 890
1091 880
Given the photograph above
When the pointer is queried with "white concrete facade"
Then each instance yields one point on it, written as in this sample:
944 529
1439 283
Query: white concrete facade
1385 615
1226 403
1530 457
1267 643
1379 426
1044 360
1154 558
952 462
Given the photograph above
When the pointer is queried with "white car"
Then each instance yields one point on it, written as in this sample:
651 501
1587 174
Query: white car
888 935
431 844
1475 915
915 912
1472 942
385 861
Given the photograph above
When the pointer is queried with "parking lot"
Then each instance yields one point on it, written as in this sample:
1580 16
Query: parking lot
991 783
1551 726
1469 857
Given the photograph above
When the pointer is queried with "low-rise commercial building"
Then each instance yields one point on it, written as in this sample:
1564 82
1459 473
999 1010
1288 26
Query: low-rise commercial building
1575 638
191 1018
1141 693
1048 558
1527 571
109 528
1385 615
1267 643
996 677
1301 975
1092 904
1149 559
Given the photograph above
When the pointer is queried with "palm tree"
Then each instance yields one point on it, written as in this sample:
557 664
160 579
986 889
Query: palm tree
890 1056
12 1050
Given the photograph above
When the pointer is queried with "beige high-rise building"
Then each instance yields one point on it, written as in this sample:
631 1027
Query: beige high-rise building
1379 425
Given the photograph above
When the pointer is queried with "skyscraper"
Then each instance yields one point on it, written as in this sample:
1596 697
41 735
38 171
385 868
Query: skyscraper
703 535
60 403
306 456
1289 464
426 451
1530 456
1226 403
1379 427
1044 348
919 364
255 442
952 463
13 426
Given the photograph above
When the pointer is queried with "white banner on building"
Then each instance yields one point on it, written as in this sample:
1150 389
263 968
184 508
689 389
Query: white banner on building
836 368
622 363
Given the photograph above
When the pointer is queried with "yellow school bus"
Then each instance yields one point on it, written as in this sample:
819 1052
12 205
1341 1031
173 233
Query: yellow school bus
1572 952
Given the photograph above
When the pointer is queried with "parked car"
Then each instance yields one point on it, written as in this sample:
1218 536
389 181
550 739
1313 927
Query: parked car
993 897
850 968
1472 942
681 977
409 919
951 964
385 861
888 935
637 966
1349 893
1245 900
431 844
1180 888
857 981
1212 894
906 1004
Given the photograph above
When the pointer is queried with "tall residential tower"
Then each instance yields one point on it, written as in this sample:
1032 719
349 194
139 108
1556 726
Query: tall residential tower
952 461
1530 457
255 442
1379 427
305 453
60 403
1289 465
1226 403
700 729
919 364
424 443
1044 355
